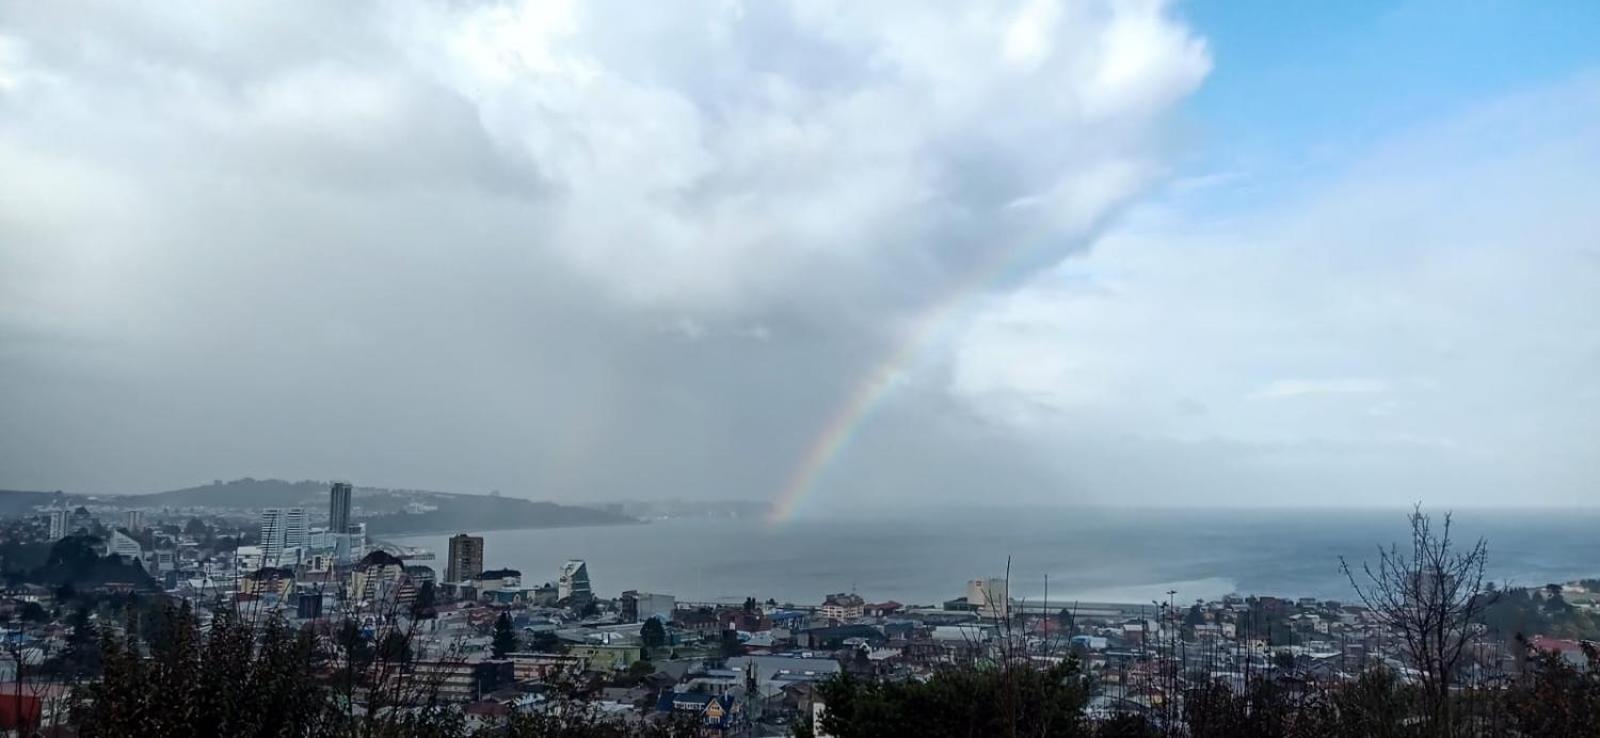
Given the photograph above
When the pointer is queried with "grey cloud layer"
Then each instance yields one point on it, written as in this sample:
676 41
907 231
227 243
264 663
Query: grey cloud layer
566 250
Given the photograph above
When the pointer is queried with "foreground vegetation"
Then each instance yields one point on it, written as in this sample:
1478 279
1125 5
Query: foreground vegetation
1551 699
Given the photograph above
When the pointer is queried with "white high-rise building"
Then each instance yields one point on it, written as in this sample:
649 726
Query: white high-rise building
282 529
58 524
574 582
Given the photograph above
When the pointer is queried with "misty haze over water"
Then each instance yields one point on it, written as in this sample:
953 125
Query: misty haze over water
1091 554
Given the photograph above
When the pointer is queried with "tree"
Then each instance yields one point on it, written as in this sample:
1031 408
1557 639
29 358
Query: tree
653 634
33 612
637 671
1431 597
1066 621
545 642
749 604
505 639
81 657
197 529
1558 698
730 644
423 606
1003 700
394 647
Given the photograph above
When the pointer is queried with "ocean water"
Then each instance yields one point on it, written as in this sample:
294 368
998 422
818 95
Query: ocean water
1092 555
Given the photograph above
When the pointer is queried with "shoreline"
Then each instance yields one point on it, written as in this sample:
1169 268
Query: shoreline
501 529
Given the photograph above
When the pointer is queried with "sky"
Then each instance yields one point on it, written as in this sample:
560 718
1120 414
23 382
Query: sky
830 255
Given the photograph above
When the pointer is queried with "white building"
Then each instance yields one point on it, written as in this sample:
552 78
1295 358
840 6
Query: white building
247 559
638 607
990 596
282 528
123 545
58 524
574 581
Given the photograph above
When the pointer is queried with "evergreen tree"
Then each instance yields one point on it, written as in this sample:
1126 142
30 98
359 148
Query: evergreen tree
653 634
505 639
423 607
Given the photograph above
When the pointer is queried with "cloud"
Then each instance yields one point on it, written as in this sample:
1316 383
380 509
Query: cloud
1415 327
1281 389
436 244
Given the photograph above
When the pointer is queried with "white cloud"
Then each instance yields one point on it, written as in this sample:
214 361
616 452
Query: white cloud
1281 389
1433 307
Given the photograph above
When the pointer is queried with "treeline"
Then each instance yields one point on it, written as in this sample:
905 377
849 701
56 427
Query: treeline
73 561
1542 610
1552 698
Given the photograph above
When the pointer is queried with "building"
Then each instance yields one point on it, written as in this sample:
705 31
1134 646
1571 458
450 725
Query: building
420 574
123 545
453 680
309 606
282 529
466 558
379 577
156 562
133 520
638 607
498 580
573 586
716 714
58 524
339 508
607 657
991 597
842 607
269 580
537 667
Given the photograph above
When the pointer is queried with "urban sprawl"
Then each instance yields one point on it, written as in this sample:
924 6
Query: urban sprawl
489 640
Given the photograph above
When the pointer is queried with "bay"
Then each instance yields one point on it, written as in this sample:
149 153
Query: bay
925 556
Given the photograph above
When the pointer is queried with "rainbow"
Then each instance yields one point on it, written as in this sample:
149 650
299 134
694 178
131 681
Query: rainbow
859 404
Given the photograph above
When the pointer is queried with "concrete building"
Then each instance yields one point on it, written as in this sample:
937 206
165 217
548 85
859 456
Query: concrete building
339 508
454 680
990 596
638 607
466 558
842 606
498 580
379 577
58 524
282 528
267 581
123 545
133 520
573 586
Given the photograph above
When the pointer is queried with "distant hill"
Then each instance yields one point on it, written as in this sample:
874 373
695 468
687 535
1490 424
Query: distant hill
386 511
17 502
240 493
